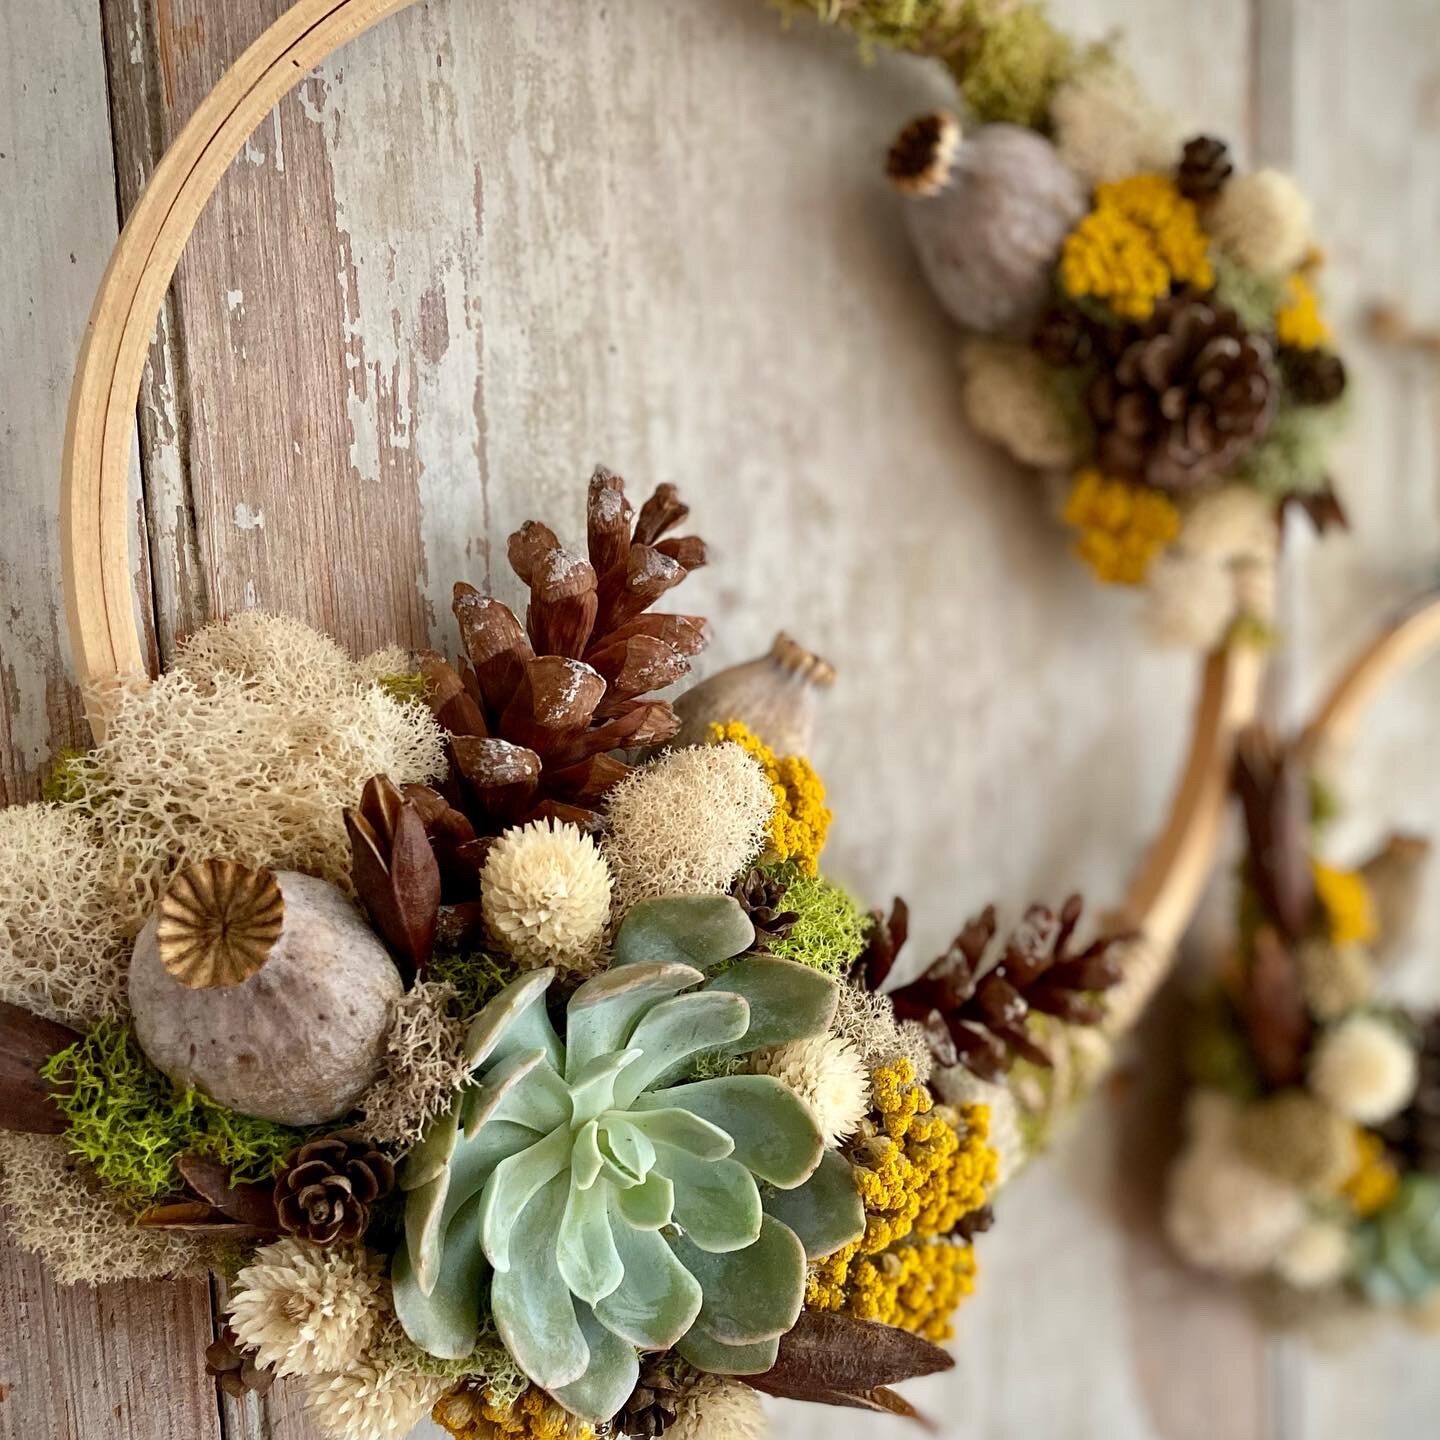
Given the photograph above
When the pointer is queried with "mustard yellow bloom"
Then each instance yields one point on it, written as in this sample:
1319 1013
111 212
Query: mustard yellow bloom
1141 238
1348 904
1374 1181
801 820
919 1169
469 1413
1298 322
1123 527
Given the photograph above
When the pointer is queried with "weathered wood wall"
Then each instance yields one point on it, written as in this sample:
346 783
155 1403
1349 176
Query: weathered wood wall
494 242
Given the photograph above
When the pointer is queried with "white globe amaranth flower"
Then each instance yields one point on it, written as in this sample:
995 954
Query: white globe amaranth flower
959 1086
1234 522
307 1309
828 1074
545 896
1365 1068
1317 1255
1261 220
1190 600
367 1401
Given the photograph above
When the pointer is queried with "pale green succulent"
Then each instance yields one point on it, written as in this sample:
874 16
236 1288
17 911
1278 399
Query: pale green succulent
609 1205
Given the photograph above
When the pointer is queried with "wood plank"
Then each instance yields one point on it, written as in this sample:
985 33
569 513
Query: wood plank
74 1363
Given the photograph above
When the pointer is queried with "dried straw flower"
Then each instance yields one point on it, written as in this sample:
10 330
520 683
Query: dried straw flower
1010 396
545 894
687 824
308 1310
368 1401
717 1408
828 1074
63 952
424 1066
60 1211
1364 1068
1261 220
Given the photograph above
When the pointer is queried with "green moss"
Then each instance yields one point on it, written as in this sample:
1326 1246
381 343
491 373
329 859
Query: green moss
403 688
1253 297
1294 457
131 1123
918 27
1020 61
476 976
831 930
1326 806
63 785
1216 1054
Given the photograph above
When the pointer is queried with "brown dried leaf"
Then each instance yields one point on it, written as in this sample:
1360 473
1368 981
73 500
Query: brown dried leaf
27 1103
1273 1005
195 1217
1275 796
252 1205
836 1352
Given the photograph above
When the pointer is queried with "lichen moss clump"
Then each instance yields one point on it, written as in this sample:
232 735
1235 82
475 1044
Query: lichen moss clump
831 930
131 1123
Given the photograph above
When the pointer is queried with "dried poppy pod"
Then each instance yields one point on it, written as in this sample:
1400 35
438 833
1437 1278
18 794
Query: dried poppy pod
988 214
777 695
217 923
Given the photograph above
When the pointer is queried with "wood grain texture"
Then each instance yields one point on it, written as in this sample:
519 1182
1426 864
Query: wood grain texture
494 242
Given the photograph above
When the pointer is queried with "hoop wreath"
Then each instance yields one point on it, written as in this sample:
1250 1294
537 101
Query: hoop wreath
414 853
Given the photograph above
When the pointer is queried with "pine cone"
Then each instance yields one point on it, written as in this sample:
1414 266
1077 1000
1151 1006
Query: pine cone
761 896
535 713
654 1403
233 1366
1190 393
1064 337
327 1187
1204 167
1313 377
1414 1134
975 1012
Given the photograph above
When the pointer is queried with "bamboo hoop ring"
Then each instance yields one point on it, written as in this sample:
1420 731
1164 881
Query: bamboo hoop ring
104 638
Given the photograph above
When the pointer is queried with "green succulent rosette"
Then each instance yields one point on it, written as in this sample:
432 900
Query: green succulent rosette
1398 1250
595 1201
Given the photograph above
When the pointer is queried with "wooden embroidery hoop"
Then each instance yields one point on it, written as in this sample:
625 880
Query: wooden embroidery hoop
95 519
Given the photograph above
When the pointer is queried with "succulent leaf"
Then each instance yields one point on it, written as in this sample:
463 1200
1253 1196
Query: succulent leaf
826 1212
698 930
607 1207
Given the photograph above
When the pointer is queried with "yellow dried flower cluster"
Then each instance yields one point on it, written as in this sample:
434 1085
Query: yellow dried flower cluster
468 1413
1374 1181
919 1169
915 1287
1298 322
1123 527
1348 904
801 820
1141 237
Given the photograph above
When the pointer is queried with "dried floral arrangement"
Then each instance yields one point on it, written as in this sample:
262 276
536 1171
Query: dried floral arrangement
489 1024
1311 1159
1142 317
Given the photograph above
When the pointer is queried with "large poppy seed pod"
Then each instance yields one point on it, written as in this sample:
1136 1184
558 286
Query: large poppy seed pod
776 695
988 215
264 989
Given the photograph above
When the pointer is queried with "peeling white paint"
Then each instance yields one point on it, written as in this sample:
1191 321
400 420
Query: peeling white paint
235 302
248 518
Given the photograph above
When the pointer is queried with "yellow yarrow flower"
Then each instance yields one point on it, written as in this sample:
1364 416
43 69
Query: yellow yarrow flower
1123 527
1348 904
801 820
470 1413
1298 322
1374 1181
1141 238
919 1169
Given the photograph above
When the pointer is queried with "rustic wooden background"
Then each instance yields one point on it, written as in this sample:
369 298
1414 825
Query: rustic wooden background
498 240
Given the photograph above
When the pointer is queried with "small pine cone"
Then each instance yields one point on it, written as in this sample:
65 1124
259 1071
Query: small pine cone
1204 167
760 897
1313 377
1064 337
233 1366
327 1187
653 1405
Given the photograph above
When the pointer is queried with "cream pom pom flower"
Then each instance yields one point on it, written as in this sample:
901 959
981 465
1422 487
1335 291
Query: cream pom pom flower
545 896
1365 1069
1106 128
371 1402
687 823
828 1074
958 1086
1008 394
307 1309
1189 601
1318 1254
717 1408
1261 220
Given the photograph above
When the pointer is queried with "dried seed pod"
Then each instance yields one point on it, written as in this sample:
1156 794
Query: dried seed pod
218 922
988 214
777 696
